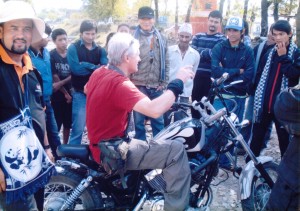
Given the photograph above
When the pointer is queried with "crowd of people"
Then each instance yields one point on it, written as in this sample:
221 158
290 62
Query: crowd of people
135 78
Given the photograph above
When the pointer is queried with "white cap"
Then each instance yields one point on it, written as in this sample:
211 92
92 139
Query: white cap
186 27
235 23
14 10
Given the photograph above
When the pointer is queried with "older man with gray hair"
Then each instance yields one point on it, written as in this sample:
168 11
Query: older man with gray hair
181 55
111 96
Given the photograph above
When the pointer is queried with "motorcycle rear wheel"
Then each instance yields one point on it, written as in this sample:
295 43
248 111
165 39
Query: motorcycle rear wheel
61 186
260 191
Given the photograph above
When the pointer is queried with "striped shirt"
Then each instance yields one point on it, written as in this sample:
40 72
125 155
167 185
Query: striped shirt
203 43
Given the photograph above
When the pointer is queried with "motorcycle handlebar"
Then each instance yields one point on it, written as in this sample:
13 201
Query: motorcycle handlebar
219 81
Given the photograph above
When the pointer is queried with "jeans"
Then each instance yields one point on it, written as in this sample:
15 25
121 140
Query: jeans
239 111
139 119
52 130
248 114
78 117
177 115
27 205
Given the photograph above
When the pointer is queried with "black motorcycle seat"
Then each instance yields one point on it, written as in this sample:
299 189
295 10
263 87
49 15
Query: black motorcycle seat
75 151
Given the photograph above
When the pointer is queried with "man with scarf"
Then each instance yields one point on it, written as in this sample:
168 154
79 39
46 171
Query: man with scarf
280 68
153 74
24 165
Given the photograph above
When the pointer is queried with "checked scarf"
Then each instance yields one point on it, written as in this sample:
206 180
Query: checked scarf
260 90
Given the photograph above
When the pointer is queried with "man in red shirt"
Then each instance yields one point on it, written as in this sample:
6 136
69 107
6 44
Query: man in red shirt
111 96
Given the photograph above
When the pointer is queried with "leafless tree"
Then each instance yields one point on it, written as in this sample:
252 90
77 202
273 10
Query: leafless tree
221 6
188 13
245 9
264 17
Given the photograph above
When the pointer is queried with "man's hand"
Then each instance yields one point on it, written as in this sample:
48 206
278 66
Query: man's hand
281 49
56 86
50 155
68 98
2 182
242 71
161 87
185 73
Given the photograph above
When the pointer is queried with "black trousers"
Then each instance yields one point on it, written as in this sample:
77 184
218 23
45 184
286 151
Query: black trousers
260 129
202 84
285 194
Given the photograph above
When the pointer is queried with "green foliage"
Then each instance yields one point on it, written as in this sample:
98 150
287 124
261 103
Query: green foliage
288 7
104 9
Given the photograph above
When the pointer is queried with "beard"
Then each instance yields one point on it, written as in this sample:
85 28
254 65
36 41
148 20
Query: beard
19 50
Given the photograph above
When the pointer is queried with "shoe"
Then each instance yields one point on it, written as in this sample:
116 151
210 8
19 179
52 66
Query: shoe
226 166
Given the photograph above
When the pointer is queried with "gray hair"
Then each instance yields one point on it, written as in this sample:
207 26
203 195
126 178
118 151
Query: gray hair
119 45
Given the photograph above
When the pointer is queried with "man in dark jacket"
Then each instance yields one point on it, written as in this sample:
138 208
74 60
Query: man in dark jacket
19 89
280 69
285 194
232 56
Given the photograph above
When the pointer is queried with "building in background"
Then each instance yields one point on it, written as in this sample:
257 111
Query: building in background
199 14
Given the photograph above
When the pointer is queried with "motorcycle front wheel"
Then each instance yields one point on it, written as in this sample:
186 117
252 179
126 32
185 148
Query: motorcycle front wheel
260 190
62 185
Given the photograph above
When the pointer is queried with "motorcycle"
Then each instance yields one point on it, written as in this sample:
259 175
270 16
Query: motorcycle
82 184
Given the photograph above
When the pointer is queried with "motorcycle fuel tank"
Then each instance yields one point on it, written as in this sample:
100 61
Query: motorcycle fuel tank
188 130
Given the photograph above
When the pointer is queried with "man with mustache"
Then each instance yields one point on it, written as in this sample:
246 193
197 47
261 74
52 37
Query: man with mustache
203 42
153 75
20 89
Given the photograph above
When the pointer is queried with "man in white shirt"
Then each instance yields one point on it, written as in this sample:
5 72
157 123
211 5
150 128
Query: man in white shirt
182 55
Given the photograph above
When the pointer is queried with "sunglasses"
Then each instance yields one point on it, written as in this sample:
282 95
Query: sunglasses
130 44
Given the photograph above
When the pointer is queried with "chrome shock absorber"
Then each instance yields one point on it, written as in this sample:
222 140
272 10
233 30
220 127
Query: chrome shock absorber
84 184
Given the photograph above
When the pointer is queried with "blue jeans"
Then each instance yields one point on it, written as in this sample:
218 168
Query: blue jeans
78 117
139 119
230 105
27 205
224 161
52 130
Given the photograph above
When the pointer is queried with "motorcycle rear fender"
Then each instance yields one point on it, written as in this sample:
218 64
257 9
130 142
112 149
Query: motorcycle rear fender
247 175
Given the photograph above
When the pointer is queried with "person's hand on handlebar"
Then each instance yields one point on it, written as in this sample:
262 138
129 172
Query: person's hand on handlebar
185 73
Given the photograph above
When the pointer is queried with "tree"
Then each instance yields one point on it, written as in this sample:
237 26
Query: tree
176 18
264 17
298 27
275 13
221 6
188 13
156 10
288 8
103 9
245 9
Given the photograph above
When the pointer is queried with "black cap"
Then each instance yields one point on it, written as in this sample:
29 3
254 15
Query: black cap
145 12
